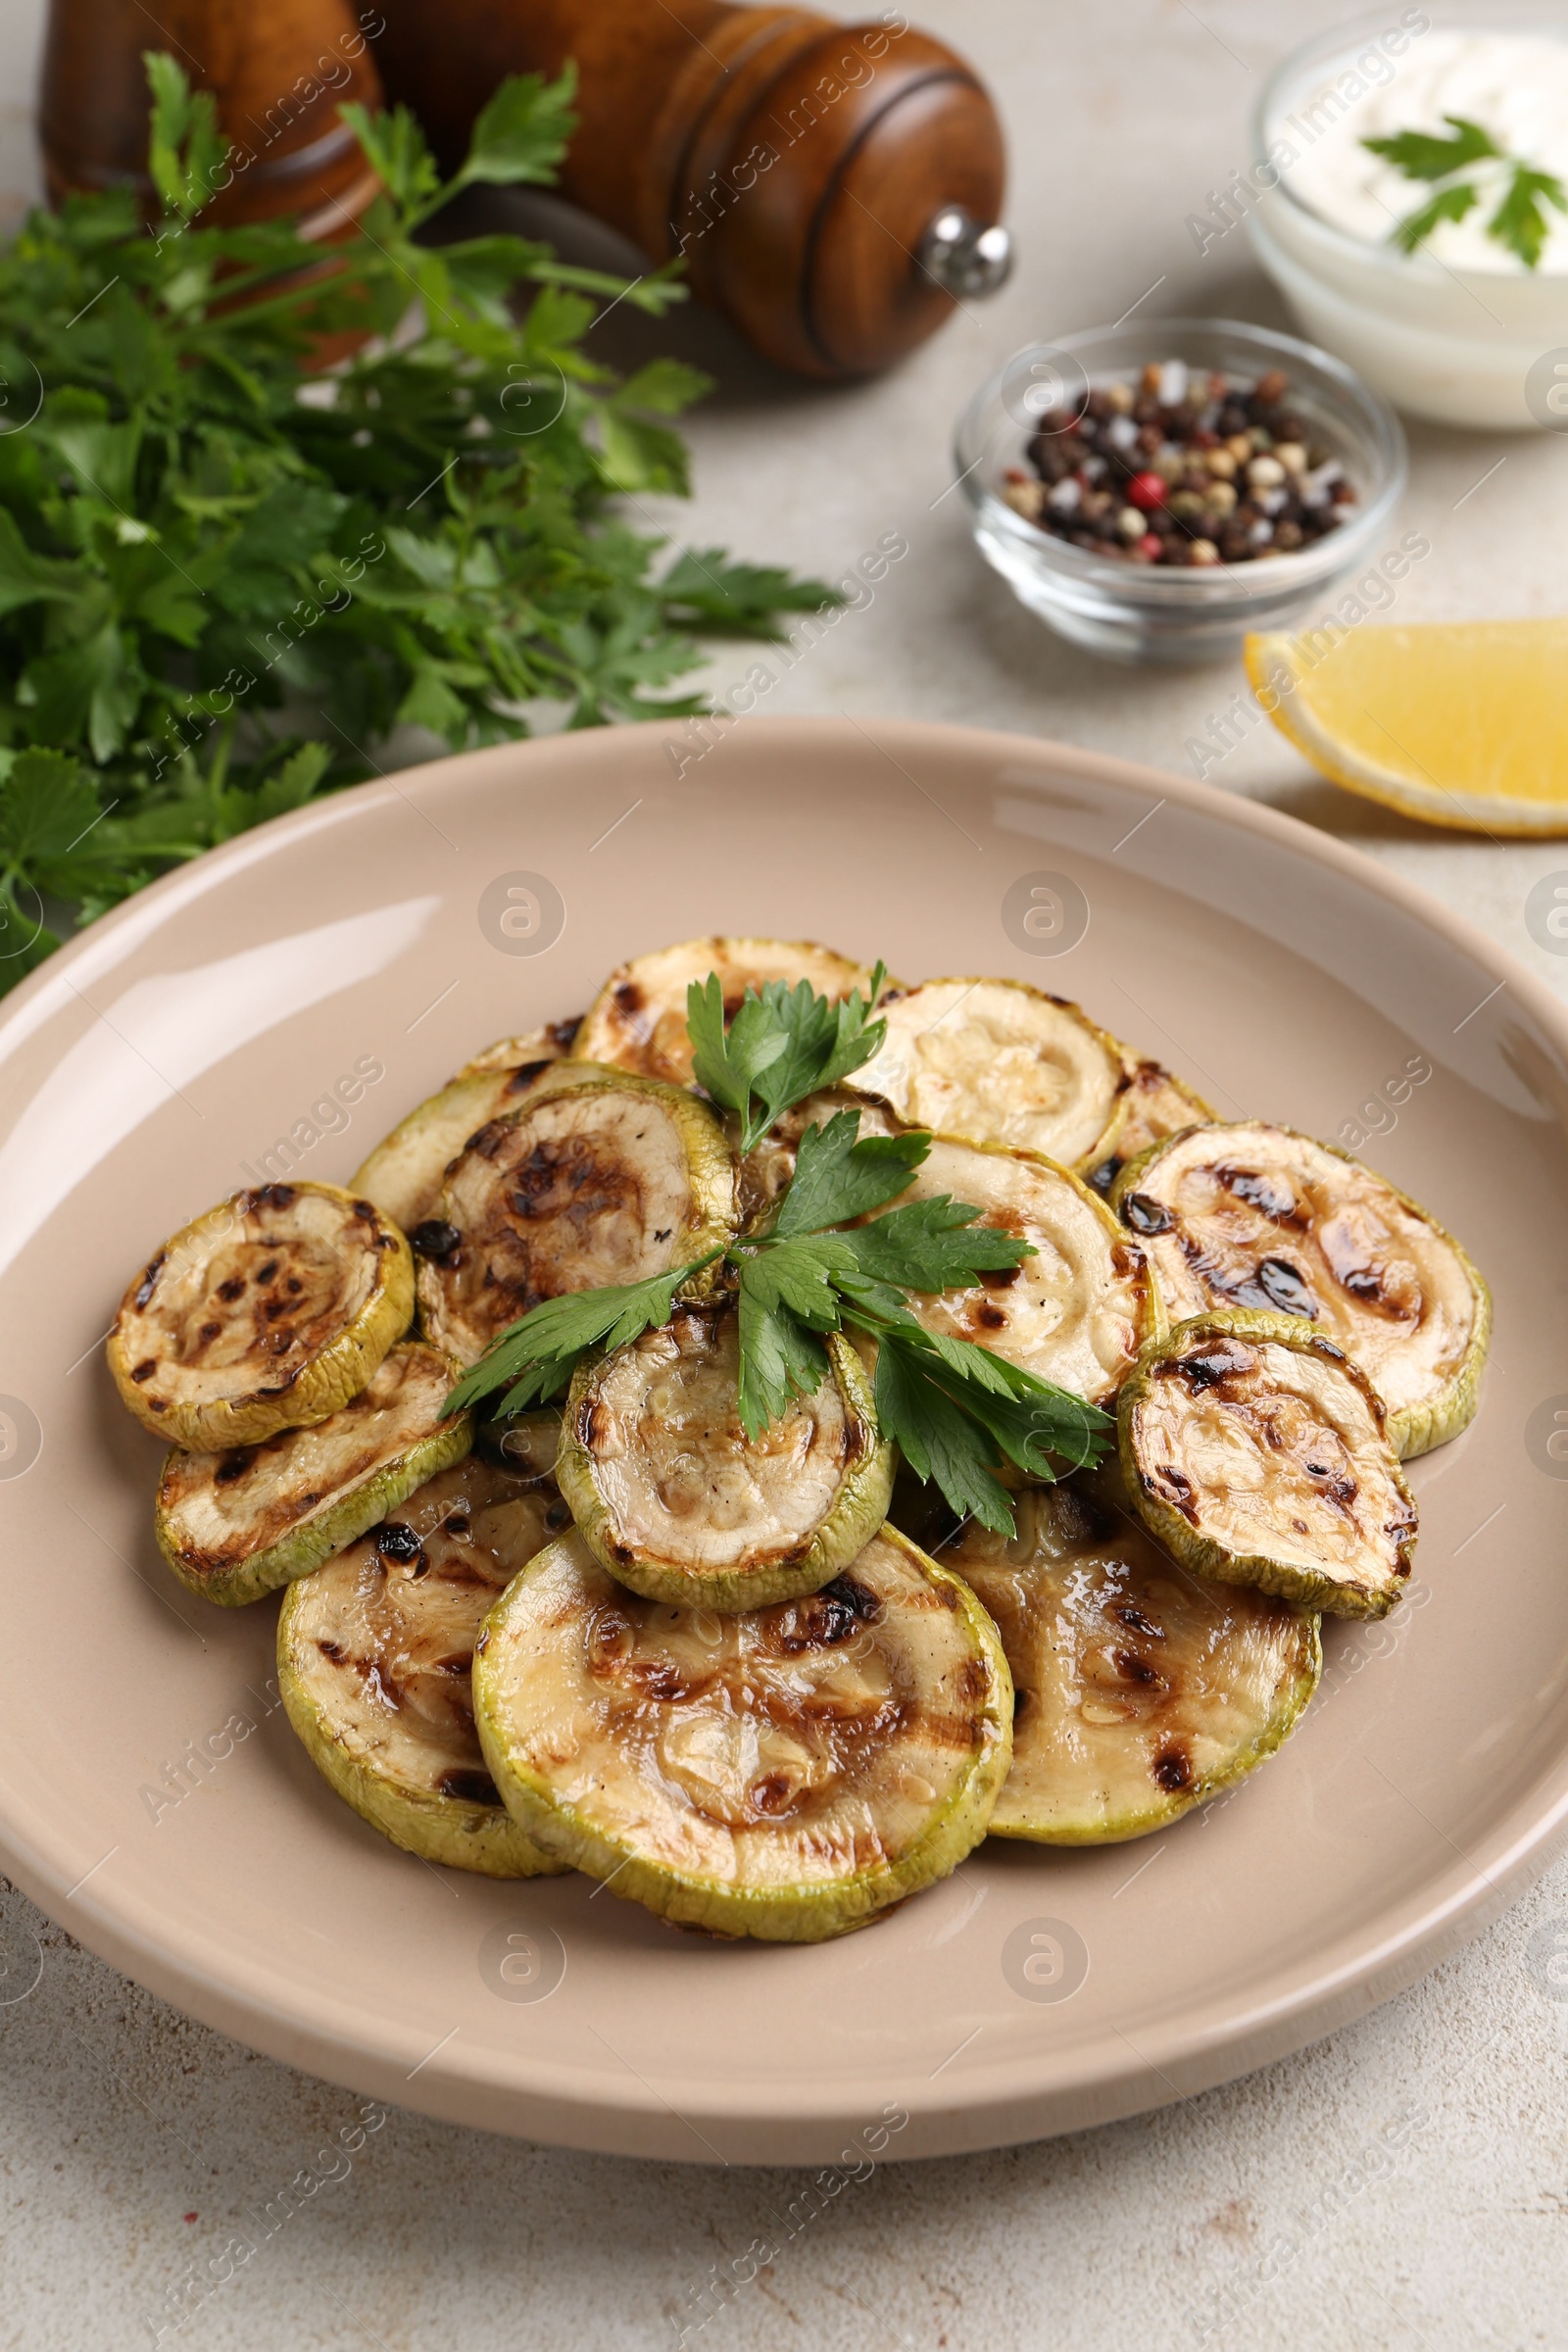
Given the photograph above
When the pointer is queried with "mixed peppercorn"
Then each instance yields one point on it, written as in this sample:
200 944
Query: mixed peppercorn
1182 467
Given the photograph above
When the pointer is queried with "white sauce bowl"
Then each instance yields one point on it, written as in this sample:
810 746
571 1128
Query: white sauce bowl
1460 330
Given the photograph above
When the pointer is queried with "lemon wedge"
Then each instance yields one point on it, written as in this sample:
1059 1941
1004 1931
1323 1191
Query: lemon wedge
1459 723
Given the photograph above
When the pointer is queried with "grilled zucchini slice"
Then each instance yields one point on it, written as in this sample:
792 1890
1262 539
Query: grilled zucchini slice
236 1525
673 1499
406 1171
1255 1451
374 1655
599 1179
784 1774
1259 1216
638 1019
268 1313
1155 1103
1078 1311
1141 1690
535 1048
998 1060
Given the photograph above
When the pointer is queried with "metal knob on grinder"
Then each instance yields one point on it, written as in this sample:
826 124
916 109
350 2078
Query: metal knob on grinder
964 255
833 188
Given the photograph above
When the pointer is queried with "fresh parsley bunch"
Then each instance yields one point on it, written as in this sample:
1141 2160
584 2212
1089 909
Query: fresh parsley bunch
953 1408
1519 222
225 580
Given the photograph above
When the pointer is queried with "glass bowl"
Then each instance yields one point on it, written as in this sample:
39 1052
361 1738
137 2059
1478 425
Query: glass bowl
1156 612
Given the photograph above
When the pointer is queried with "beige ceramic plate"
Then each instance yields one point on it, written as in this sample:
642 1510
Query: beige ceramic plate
296 993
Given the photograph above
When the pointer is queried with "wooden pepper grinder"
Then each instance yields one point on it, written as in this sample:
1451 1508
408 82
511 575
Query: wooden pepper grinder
833 187
279 69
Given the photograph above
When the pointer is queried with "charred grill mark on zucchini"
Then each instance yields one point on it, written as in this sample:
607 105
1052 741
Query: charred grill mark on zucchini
1155 1103
1172 1486
1001 1062
1259 1216
569 1179
1256 1451
599 1179
522 1059
785 1774
405 1173
268 1313
1269 1192
1143 1690
237 1524
374 1656
397 1541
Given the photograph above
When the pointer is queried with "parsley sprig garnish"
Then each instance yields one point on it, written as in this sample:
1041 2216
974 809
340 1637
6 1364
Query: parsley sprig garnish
954 1409
783 1043
1519 222
535 1357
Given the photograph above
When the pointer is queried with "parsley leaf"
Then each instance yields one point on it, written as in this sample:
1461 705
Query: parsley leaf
1035 1423
522 132
780 1355
934 1244
784 1044
823 1040
1422 155
939 1443
836 1178
397 149
726 1064
184 146
26 579
1449 203
535 1357
1519 222
708 592
937 1382
800 1275
46 804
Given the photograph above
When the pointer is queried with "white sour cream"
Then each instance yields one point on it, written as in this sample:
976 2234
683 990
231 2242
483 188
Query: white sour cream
1515 85
1460 329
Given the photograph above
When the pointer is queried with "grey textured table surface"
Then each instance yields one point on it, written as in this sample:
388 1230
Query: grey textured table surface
1404 2183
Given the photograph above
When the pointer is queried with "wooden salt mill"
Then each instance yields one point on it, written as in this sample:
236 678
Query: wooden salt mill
833 187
